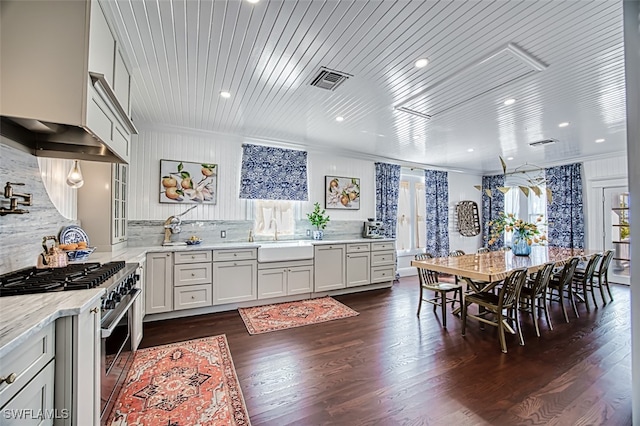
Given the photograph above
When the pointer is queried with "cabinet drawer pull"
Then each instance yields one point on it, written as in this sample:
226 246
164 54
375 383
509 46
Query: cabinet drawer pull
193 297
94 310
193 257
235 254
193 275
9 379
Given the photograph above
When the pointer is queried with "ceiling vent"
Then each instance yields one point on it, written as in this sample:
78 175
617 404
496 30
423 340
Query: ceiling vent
329 79
543 142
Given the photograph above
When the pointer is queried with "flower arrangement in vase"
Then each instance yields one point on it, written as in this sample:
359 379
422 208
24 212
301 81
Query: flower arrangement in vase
318 219
524 233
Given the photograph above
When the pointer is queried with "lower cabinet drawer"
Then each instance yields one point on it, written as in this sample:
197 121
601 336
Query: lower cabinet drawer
22 363
192 296
382 274
190 274
382 258
198 256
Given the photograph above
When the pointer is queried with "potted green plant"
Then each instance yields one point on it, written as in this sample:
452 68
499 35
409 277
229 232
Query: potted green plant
318 218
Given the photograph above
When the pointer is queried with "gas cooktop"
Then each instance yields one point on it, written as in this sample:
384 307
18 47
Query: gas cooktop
71 277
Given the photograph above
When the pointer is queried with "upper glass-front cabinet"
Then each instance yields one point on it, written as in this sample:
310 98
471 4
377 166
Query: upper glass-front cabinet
620 232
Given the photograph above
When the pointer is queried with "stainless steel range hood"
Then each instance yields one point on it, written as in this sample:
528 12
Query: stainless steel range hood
45 139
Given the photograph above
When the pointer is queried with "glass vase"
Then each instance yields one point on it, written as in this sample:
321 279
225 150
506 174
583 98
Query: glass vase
519 246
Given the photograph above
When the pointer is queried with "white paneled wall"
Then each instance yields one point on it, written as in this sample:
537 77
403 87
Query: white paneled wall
605 168
54 173
460 189
321 165
154 144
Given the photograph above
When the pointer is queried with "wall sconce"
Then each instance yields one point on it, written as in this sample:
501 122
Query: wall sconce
74 178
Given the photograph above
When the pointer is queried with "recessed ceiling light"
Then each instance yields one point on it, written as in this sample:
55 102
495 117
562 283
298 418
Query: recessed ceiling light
421 63
563 124
470 150
339 118
509 158
509 101
225 94
253 1
416 137
599 140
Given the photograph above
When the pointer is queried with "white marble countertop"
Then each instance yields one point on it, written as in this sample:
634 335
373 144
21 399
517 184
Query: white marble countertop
23 316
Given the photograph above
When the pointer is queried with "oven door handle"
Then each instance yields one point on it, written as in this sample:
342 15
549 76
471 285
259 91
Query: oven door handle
122 309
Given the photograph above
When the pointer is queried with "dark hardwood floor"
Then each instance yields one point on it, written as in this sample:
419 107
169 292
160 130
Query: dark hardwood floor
389 367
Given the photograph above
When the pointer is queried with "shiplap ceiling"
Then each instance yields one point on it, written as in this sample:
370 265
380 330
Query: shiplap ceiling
561 60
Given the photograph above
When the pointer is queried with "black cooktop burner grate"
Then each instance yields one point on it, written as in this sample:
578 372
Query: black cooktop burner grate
71 277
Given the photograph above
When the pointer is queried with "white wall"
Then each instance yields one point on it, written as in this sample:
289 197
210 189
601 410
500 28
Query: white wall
632 70
461 187
156 143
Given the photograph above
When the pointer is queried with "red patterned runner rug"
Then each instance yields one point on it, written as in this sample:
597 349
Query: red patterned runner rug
262 319
182 384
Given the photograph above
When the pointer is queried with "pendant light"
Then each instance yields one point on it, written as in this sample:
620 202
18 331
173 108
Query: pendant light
74 178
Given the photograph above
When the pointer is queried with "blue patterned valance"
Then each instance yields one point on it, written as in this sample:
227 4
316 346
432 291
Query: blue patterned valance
565 214
437 193
270 173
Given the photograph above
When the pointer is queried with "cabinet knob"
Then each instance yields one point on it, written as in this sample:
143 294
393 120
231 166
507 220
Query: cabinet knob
168 254
193 297
94 310
193 257
9 379
235 254
193 275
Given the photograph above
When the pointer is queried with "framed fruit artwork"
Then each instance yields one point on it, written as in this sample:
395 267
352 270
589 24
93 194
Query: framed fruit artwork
342 193
184 182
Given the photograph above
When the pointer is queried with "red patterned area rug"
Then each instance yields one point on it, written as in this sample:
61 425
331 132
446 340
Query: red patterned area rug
262 319
182 384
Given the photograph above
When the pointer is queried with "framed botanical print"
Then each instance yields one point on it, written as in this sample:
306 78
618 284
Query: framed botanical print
184 182
342 193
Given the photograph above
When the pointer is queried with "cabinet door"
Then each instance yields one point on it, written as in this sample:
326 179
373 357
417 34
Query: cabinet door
119 204
235 281
299 279
159 283
35 397
138 311
358 269
272 283
86 386
102 44
330 271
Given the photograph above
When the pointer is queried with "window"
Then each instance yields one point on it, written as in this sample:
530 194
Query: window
411 230
269 215
525 208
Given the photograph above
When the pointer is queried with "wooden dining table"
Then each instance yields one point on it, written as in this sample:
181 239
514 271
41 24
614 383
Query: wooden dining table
483 271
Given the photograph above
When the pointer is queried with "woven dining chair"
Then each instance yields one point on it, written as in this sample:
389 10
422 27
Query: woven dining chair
429 282
501 307
534 293
562 284
483 250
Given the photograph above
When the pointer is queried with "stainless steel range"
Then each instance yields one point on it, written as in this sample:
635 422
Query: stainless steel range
119 280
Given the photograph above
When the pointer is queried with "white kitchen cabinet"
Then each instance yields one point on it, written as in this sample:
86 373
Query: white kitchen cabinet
159 283
78 372
86 82
277 279
103 200
383 261
358 269
138 310
36 397
192 279
329 267
28 377
235 280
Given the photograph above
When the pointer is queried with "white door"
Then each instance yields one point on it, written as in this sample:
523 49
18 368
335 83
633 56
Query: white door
615 214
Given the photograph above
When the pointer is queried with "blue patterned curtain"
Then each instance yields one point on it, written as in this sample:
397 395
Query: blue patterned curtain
491 207
273 173
387 189
565 214
437 193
